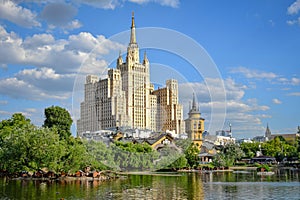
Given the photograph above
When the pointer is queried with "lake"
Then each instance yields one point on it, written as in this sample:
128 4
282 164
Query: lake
285 184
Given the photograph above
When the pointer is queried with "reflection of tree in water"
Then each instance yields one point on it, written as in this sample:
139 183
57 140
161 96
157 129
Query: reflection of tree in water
169 186
194 186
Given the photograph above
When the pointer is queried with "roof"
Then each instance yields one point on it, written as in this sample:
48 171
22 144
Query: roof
151 140
263 157
206 155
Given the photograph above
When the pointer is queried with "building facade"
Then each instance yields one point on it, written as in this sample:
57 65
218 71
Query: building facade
169 111
194 125
126 98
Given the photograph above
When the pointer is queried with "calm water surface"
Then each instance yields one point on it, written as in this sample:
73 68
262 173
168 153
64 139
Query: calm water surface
218 185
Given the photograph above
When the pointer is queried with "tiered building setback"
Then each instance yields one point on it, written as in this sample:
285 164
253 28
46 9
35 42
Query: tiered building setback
127 98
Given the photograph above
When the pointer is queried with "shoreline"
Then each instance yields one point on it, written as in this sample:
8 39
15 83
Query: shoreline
151 173
93 176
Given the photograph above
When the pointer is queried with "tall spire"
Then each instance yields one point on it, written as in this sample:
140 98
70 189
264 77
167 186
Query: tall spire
132 35
120 60
145 58
268 132
194 107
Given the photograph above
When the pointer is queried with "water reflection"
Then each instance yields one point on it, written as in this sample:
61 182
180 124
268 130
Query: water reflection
221 185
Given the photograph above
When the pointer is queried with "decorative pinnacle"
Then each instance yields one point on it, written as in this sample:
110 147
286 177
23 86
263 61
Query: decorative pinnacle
132 20
132 35
194 103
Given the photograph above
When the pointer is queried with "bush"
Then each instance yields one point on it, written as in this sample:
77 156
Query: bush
263 167
240 164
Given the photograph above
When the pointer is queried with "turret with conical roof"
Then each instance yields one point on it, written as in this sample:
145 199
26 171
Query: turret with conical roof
145 61
194 109
194 124
120 60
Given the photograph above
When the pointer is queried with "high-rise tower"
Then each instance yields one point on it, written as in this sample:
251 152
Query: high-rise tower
136 84
128 99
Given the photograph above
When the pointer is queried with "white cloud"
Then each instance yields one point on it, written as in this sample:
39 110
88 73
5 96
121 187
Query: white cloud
295 81
294 94
276 101
55 62
10 47
10 11
72 25
15 88
64 55
293 22
112 4
31 110
3 112
2 102
265 116
250 73
294 8
47 80
170 3
20 89
38 40
105 4
28 112
244 114
58 14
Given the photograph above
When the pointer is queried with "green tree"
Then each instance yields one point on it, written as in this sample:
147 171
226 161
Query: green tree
180 163
219 160
232 153
167 156
191 154
76 156
27 147
101 156
59 118
8 126
279 149
228 156
250 149
130 156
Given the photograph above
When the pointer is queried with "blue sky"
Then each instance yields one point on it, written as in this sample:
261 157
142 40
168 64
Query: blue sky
254 45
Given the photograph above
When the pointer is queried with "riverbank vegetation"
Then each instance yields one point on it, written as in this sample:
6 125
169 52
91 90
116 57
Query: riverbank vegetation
25 147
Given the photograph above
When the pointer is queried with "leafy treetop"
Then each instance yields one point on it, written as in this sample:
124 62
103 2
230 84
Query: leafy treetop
59 118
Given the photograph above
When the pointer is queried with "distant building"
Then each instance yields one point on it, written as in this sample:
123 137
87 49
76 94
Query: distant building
268 132
269 136
291 138
194 124
288 137
264 138
243 140
260 139
126 98
207 152
159 142
220 140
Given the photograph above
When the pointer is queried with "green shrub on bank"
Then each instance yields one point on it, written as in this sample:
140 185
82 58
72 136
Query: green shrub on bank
263 167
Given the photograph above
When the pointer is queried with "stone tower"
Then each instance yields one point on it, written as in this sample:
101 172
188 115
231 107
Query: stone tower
136 84
194 124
